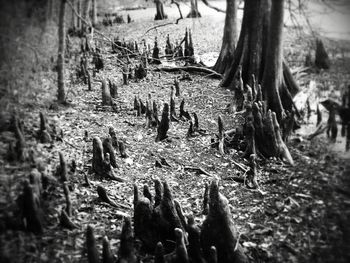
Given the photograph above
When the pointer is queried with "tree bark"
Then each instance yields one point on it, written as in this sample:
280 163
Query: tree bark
229 38
259 53
61 95
258 60
273 77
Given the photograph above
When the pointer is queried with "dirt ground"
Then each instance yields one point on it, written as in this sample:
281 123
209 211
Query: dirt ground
300 214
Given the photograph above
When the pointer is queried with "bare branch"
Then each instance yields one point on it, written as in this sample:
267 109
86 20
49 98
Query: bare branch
213 7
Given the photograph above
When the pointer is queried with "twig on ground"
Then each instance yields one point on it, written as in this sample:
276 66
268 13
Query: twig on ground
198 170
190 69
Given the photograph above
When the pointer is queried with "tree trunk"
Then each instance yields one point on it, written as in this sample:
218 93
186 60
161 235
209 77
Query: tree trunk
94 12
194 10
61 95
73 18
49 10
273 77
229 38
86 9
259 50
79 12
250 47
160 15
258 60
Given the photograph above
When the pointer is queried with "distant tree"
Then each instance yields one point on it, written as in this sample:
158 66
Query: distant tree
85 14
229 39
79 12
94 12
160 15
194 10
61 94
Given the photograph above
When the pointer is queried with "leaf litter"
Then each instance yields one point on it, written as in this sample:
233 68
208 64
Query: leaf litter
299 215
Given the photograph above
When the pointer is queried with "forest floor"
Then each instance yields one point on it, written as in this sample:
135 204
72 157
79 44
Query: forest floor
300 214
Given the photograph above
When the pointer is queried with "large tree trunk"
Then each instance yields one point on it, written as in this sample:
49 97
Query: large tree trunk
258 60
273 77
61 95
229 38
250 47
258 49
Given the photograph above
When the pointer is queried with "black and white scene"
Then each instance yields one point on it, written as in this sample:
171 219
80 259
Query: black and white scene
175 131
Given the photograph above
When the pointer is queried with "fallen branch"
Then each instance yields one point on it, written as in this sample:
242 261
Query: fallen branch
319 130
213 7
240 166
191 69
198 170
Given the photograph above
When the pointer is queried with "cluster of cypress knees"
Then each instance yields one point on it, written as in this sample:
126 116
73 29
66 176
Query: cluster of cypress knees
169 236
29 215
257 131
159 221
176 51
129 49
150 110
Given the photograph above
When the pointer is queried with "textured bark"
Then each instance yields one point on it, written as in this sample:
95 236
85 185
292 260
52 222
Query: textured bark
218 230
259 53
229 38
194 246
273 77
143 222
92 252
259 74
61 94
127 251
